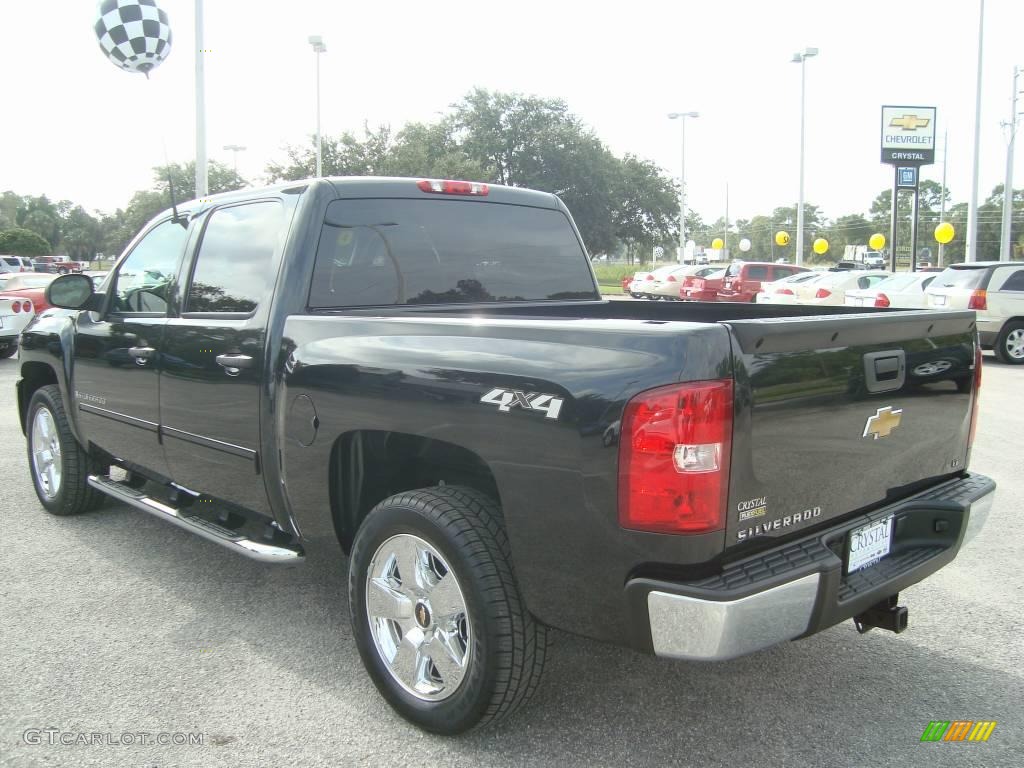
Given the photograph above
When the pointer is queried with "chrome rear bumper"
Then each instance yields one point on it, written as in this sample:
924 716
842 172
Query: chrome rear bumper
800 588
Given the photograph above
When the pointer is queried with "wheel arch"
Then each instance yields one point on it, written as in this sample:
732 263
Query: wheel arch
34 374
368 466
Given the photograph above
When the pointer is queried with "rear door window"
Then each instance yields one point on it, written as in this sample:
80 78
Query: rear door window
757 273
401 251
1007 280
234 269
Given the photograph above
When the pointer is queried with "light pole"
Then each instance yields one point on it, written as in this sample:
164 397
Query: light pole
801 59
942 203
318 47
972 211
681 116
1005 247
234 149
202 177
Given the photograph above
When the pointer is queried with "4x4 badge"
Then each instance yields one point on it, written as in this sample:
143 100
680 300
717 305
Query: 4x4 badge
507 399
883 422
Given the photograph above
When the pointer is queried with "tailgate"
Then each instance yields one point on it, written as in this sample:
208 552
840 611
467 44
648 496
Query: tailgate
838 413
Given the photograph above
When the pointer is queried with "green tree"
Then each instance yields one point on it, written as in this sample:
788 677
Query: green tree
516 140
23 242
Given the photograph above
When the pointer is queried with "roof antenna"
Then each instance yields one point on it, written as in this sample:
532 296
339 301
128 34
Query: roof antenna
175 217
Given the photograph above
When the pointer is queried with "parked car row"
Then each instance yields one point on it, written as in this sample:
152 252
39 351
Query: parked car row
664 282
739 282
57 265
995 290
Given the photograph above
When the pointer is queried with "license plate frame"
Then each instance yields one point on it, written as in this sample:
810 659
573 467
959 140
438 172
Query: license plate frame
874 545
938 300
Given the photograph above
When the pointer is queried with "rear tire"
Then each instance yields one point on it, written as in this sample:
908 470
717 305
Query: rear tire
58 464
1009 346
8 351
448 643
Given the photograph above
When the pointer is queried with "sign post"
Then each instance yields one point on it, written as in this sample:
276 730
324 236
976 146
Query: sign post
908 142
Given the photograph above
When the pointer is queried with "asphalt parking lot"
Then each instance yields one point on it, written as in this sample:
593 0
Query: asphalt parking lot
116 623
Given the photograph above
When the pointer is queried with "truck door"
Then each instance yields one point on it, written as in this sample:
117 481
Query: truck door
213 354
117 364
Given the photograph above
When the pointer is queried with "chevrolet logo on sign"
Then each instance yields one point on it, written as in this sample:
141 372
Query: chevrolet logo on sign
909 122
883 422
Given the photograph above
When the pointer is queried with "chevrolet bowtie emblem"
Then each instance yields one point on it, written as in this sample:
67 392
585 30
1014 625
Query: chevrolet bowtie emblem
883 422
910 122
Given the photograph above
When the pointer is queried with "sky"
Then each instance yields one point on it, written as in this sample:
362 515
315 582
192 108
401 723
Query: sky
76 127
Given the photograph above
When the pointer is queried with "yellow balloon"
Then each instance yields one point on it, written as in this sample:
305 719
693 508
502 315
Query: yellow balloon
944 233
717 244
877 241
821 246
782 237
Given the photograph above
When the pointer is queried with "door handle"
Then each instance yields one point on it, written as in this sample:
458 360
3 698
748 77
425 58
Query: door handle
141 355
233 364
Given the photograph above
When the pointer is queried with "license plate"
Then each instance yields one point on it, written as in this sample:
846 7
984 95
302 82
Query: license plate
868 544
938 301
859 302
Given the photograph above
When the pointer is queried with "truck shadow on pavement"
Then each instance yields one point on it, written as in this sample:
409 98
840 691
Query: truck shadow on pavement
825 700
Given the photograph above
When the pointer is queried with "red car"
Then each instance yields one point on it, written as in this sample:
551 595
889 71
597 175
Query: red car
28 285
743 279
701 288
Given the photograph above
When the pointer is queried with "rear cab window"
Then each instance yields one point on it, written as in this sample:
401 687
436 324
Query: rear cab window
397 251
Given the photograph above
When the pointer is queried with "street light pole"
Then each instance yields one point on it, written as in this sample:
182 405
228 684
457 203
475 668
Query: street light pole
942 203
1005 247
318 47
801 59
972 211
681 116
202 179
234 149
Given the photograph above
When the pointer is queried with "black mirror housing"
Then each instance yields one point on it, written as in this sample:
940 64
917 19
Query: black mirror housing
73 291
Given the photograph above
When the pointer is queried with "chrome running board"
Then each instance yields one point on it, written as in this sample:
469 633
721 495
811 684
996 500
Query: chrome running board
211 531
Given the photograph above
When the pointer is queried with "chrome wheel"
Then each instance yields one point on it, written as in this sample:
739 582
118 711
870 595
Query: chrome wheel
1014 344
46 462
418 617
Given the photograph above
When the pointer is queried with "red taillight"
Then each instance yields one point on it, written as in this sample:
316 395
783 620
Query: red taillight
674 458
26 306
881 300
670 279
16 306
977 393
446 187
979 300
786 292
822 293
649 277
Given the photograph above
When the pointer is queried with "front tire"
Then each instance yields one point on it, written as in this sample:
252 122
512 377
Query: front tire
1009 346
58 464
436 611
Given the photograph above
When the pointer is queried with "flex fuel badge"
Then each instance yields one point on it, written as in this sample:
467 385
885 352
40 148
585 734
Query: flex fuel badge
752 508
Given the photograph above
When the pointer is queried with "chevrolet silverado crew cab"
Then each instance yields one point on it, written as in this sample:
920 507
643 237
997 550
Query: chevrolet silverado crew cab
422 374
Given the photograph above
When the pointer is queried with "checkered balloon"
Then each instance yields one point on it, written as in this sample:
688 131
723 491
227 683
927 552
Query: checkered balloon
134 34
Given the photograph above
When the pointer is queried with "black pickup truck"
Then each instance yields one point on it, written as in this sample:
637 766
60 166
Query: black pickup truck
423 374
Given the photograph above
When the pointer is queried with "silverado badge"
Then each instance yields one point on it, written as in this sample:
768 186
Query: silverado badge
883 422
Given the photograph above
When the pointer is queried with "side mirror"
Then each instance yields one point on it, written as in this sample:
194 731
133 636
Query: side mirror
72 291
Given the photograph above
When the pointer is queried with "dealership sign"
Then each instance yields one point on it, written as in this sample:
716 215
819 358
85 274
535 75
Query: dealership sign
908 135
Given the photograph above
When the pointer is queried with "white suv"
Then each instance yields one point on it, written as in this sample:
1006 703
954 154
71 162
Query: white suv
995 290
